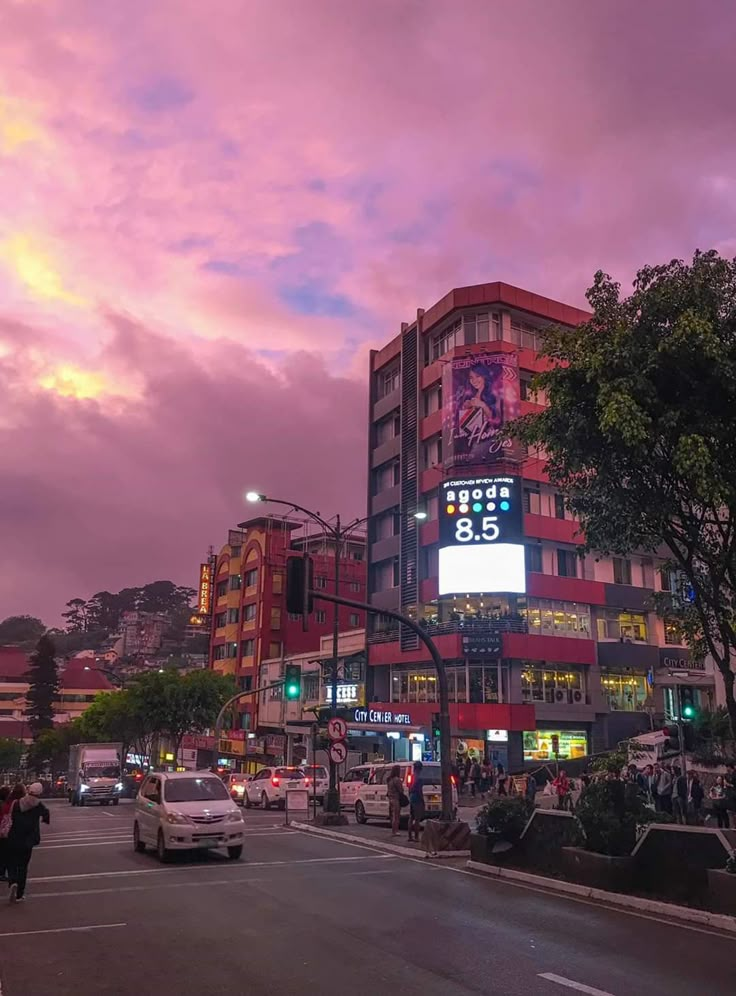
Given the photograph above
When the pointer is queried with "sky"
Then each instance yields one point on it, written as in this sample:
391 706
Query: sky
210 213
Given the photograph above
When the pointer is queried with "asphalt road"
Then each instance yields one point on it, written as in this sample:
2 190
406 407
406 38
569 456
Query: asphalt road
301 914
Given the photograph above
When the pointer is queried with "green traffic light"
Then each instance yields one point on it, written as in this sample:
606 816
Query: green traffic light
292 691
688 712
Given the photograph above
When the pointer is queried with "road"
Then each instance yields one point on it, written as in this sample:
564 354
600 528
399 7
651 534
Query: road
302 914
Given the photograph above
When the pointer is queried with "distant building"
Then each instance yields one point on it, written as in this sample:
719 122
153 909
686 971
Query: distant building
142 632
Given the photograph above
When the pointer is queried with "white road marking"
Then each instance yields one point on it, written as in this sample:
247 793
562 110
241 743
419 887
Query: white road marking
87 843
64 930
191 868
570 984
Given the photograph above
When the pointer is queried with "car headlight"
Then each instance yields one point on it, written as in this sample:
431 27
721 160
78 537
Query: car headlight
177 818
119 787
236 817
84 788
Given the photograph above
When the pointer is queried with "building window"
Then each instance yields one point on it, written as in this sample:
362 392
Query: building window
538 745
275 649
247 648
432 452
320 582
429 562
386 575
357 553
388 475
355 586
481 327
354 619
310 686
559 507
275 618
249 612
623 626
235 582
220 620
388 381
532 501
232 649
553 685
673 634
625 691
442 342
386 525
534 558
218 654
387 429
621 571
232 615
525 335
251 577
567 564
320 616
221 588
546 617
432 399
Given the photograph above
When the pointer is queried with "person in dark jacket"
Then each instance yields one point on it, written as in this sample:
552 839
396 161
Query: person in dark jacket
695 795
25 833
679 795
4 808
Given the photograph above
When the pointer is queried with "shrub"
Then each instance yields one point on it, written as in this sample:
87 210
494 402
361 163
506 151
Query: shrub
507 817
611 814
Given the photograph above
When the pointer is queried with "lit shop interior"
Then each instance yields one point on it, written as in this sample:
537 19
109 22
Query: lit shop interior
541 616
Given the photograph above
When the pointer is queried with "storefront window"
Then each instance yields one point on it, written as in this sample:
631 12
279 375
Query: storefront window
622 626
673 634
552 618
553 685
626 692
538 745
483 683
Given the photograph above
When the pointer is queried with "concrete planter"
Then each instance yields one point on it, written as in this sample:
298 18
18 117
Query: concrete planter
721 891
481 847
599 871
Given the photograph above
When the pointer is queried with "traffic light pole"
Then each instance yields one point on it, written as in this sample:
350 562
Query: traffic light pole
332 802
444 696
236 698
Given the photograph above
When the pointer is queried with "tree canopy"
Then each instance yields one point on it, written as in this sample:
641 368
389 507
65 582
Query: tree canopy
21 631
640 435
43 689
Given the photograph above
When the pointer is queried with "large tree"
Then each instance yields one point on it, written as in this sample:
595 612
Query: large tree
21 631
43 691
10 753
640 434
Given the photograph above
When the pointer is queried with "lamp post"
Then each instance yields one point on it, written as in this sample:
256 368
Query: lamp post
338 534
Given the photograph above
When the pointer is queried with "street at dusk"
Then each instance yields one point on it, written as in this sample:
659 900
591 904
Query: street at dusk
303 914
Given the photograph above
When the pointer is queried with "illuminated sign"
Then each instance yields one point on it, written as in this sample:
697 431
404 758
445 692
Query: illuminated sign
481 524
497 736
383 717
205 589
346 694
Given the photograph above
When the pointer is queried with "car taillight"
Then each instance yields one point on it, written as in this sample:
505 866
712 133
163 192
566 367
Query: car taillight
453 780
306 782
409 778
275 782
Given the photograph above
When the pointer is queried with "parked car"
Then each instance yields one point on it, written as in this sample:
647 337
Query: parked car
268 787
236 786
349 785
372 798
186 810
319 780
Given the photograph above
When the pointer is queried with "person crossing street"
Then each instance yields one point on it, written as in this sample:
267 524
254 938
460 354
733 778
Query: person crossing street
27 813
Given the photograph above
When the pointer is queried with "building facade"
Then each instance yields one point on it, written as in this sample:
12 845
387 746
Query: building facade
573 658
250 622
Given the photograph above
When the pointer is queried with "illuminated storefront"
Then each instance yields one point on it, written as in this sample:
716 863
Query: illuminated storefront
554 685
625 691
538 744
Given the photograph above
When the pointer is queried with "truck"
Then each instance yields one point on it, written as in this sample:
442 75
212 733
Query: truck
95 774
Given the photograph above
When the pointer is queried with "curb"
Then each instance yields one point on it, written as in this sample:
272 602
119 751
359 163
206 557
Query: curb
352 838
720 920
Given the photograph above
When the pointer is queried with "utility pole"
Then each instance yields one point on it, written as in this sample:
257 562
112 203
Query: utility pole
332 802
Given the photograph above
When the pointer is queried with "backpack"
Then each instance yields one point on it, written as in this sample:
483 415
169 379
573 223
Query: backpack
7 821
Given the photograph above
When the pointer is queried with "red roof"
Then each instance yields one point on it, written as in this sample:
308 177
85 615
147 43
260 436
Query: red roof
77 677
15 729
13 664
14 667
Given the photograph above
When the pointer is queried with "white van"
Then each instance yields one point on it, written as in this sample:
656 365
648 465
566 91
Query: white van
350 784
371 798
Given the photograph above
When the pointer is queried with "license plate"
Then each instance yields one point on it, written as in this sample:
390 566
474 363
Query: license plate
207 842
434 798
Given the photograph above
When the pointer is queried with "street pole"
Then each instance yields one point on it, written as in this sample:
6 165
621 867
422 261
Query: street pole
680 730
332 802
236 698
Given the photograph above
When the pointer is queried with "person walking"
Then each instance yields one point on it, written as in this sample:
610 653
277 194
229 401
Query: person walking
530 793
416 802
649 784
664 790
561 785
25 834
486 778
501 779
695 796
475 778
717 796
656 775
395 792
679 796
5 816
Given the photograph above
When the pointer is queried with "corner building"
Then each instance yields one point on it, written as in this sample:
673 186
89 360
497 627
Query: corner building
544 649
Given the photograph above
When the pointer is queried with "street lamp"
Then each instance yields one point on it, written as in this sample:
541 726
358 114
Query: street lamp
338 534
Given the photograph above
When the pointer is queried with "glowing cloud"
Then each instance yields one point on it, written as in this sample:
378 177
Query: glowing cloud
33 266
73 382
17 127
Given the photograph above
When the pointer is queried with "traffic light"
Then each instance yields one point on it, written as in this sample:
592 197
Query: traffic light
435 725
687 702
293 682
299 578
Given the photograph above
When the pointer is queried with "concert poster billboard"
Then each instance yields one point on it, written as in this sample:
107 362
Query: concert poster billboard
480 396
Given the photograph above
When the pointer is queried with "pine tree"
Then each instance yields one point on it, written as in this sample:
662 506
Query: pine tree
44 686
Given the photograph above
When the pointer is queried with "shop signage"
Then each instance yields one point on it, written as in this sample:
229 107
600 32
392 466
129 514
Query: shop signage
679 662
204 599
384 717
483 644
347 695
275 741
497 736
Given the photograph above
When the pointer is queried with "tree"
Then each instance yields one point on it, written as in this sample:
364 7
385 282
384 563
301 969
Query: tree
77 616
21 631
10 753
114 717
50 749
43 679
640 435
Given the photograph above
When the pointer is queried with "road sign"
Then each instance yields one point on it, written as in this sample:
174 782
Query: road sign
337 729
338 751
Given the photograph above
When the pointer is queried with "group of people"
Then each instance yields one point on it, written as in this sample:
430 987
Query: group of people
681 795
479 777
21 813
398 798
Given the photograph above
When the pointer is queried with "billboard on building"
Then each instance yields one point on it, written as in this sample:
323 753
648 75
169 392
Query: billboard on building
480 396
204 599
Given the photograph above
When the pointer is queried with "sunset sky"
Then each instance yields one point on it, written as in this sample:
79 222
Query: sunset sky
210 211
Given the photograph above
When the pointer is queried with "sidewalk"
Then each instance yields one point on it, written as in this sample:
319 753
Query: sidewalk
377 833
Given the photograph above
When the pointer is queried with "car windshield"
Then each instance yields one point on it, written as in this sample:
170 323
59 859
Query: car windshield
315 771
101 771
289 773
195 790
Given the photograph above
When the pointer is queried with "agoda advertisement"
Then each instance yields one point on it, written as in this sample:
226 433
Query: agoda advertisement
481 395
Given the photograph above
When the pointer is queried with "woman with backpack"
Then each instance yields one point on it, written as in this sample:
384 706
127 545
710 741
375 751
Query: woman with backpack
27 812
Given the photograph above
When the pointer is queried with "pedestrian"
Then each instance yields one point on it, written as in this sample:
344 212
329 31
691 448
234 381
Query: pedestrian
475 778
729 783
657 774
25 834
5 816
649 784
561 785
530 793
501 779
664 789
395 792
695 795
717 796
416 802
468 767
486 778
679 795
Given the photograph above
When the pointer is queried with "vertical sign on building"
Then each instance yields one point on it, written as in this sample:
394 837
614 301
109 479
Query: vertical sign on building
204 600
480 396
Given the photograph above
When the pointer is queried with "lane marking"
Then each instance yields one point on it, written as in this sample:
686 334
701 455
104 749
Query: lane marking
64 930
571 984
88 843
191 868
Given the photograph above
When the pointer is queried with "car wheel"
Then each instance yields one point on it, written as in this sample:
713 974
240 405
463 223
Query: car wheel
360 816
235 853
105 802
265 804
162 852
137 842
115 802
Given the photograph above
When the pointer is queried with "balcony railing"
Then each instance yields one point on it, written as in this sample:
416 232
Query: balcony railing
476 626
